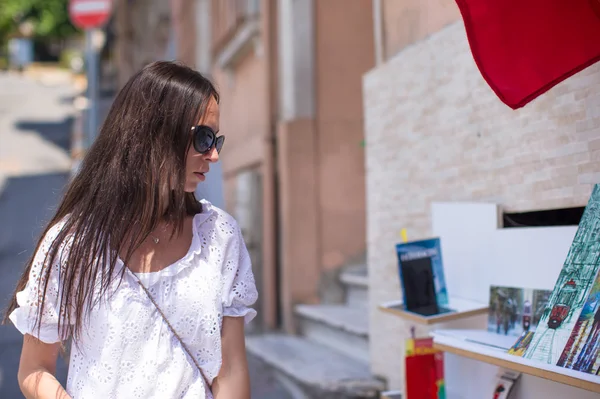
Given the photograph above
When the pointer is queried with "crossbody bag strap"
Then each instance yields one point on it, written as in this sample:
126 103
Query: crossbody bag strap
183 345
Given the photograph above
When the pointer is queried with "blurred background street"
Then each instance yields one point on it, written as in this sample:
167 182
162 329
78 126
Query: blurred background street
347 122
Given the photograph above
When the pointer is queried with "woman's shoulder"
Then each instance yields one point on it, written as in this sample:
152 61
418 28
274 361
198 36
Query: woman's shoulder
214 217
54 231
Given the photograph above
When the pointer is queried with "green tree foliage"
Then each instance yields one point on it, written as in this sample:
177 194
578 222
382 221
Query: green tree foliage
48 18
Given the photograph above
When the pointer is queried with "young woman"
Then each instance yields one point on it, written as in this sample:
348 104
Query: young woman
151 287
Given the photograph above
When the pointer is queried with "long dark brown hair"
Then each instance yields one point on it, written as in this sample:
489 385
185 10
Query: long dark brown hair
132 178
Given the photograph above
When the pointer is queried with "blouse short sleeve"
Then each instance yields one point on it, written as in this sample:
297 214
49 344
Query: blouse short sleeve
239 288
25 316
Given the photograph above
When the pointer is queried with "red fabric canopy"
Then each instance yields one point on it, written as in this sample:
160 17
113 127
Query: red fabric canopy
525 47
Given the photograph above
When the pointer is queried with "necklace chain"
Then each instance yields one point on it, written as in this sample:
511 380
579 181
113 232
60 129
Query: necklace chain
154 238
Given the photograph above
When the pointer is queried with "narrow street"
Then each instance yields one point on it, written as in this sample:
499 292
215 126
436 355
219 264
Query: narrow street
35 126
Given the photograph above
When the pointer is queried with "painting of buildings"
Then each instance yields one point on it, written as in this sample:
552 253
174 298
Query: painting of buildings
582 351
571 292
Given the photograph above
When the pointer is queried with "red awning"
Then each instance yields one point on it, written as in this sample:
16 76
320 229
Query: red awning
525 47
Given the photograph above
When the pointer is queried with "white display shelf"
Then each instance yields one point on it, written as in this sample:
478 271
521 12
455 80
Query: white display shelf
461 308
492 348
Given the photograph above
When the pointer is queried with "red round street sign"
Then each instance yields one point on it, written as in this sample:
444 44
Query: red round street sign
88 14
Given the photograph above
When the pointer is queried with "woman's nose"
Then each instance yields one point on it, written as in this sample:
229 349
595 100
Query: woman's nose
212 155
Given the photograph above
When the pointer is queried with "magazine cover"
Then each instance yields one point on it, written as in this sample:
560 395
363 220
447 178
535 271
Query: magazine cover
582 351
571 290
422 275
514 311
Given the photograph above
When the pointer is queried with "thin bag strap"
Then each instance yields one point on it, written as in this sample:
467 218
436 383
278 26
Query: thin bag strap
183 345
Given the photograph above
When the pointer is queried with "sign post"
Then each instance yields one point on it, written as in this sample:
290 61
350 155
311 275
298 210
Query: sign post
90 15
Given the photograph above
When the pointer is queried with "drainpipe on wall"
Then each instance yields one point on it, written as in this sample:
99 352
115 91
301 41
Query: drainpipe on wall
296 99
171 52
203 37
271 242
378 33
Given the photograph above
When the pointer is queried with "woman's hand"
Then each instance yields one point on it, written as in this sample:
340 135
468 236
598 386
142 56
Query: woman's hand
37 368
233 381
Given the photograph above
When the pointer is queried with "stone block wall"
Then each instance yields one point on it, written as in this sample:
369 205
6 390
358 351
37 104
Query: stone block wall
435 131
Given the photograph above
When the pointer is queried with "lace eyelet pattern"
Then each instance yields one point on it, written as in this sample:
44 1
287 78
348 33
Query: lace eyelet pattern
126 350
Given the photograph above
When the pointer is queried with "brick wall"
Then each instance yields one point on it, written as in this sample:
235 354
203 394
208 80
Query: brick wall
408 21
436 132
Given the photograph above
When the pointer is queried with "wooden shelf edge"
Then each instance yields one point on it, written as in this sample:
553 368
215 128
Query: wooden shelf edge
442 318
546 374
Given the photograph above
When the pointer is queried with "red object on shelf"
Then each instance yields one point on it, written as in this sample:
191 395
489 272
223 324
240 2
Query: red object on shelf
423 376
525 47
420 377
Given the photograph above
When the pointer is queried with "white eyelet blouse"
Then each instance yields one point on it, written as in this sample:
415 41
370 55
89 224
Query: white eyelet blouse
126 349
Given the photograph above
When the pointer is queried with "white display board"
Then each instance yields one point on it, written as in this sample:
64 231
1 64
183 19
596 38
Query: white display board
478 253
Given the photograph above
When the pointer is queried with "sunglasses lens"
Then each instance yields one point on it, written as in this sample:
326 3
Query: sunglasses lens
203 139
219 144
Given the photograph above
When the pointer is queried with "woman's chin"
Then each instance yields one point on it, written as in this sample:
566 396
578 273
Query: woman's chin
190 188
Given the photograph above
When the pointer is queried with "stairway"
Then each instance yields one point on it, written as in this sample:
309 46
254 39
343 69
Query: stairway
329 359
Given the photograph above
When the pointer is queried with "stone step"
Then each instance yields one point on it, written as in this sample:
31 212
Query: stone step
310 370
356 282
341 327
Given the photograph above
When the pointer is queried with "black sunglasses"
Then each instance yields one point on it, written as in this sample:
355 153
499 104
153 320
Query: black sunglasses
204 138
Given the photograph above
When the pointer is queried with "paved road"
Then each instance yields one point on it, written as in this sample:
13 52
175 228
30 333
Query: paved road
35 121
36 116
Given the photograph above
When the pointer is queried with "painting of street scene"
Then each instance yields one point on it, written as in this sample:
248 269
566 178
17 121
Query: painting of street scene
514 311
582 351
571 291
